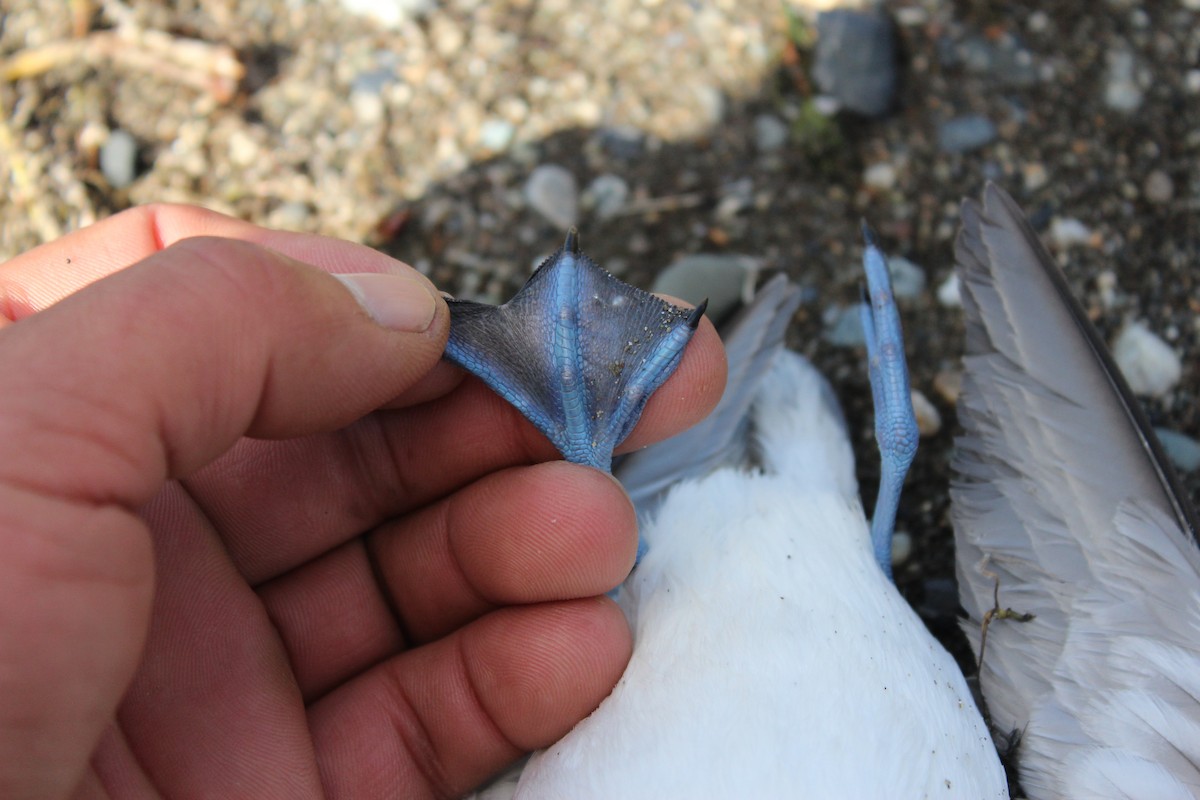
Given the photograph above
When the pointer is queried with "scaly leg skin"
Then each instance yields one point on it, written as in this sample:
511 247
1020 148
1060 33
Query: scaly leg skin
895 421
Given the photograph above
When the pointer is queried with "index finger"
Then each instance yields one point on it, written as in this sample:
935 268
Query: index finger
35 280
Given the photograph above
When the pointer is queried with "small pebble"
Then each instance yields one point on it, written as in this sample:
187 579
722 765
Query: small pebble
606 195
1158 187
963 134
929 420
843 326
1003 60
1038 22
881 176
1150 365
736 197
291 216
770 133
902 546
948 293
118 159
496 134
1121 90
552 192
1066 232
1106 286
390 13
948 384
1034 176
367 106
1191 81
243 150
908 279
1184 451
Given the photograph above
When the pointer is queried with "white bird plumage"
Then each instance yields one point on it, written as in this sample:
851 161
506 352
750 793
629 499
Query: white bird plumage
1063 497
772 656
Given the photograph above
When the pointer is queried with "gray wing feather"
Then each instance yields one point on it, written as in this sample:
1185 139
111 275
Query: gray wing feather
751 340
1062 494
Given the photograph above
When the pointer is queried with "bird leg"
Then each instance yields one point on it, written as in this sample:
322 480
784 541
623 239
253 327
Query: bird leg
895 422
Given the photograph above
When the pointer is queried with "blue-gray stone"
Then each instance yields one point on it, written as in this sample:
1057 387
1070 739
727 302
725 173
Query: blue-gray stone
855 60
843 327
962 134
622 142
1184 451
608 193
908 279
552 192
770 133
724 280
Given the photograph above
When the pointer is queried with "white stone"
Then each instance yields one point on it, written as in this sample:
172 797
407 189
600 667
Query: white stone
118 159
1034 175
389 13
496 134
948 293
1148 363
1068 232
929 420
881 176
1121 89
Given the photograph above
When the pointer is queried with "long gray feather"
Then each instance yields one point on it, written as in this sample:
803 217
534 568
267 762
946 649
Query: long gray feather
751 340
1063 496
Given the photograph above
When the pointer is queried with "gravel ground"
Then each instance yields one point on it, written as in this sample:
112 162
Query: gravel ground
420 135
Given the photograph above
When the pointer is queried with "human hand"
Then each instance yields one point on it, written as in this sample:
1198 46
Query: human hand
223 573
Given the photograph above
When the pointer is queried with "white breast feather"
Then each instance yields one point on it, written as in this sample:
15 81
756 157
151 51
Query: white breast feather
772 657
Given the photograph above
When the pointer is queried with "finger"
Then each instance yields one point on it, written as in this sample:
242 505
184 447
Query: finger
445 716
41 277
146 375
553 531
391 463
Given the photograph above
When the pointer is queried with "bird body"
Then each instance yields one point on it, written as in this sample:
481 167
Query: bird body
773 657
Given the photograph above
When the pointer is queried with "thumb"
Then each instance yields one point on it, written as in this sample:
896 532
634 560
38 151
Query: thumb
143 376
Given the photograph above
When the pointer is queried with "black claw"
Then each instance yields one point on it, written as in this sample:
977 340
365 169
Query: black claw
572 244
867 234
698 312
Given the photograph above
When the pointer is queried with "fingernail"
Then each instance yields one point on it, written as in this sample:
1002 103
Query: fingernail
394 301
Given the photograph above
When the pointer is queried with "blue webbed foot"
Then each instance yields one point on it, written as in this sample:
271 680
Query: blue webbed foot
895 423
576 351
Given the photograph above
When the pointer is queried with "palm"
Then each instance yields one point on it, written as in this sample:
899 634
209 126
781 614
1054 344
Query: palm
293 579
